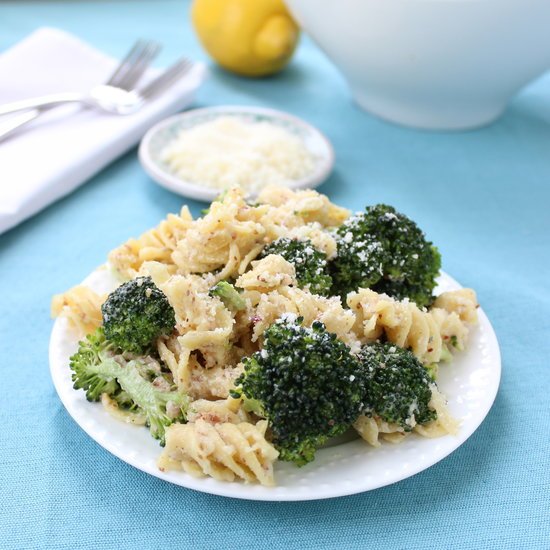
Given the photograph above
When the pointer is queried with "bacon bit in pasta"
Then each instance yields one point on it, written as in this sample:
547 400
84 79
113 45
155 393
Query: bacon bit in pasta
211 418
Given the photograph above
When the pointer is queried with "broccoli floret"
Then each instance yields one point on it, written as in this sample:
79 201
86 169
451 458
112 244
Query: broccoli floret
137 384
310 264
306 383
136 314
229 295
398 386
386 251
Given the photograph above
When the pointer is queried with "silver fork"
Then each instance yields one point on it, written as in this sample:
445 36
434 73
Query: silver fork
163 81
111 99
137 98
119 85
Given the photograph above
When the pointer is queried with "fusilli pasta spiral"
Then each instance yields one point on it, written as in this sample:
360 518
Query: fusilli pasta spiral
216 412
198 381
157 244
429 334
223 451
372 429
81 306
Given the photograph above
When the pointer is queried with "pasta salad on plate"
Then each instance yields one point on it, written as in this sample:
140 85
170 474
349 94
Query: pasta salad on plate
258 338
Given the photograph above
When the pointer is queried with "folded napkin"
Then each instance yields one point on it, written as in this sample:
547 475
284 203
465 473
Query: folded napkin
62 149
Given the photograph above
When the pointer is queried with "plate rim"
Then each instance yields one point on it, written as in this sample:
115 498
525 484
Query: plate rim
227 489
171 182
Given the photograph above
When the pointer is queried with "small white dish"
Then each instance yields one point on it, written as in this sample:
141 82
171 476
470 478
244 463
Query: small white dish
160 135
470 384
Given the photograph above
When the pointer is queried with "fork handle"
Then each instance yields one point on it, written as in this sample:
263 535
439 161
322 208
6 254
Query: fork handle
40 102
7 129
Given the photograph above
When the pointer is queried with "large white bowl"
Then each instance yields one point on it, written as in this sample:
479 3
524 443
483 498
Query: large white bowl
439 64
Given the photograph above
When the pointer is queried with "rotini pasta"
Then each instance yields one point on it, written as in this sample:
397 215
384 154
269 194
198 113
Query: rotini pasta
231 235
270 290
198 381
429 334
199 355
216 412
213 383
445 422
157 244
309 205
81 306
224 451
223 239
270 306
463 302
373 428
267 274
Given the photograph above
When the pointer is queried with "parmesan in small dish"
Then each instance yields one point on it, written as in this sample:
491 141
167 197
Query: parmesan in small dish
201 153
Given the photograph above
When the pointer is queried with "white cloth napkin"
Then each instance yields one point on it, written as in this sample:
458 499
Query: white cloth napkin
61 150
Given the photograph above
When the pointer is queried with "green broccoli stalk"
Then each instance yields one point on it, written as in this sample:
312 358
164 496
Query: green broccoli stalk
386 251
136 384
136 314
398 388
229 295
310 264
306 383
433 370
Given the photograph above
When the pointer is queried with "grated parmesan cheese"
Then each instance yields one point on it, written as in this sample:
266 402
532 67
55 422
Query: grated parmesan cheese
229 151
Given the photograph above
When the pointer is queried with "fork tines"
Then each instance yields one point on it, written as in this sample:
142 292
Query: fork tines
167 78
131 68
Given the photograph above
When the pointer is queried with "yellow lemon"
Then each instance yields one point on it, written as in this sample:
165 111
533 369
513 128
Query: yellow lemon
249 37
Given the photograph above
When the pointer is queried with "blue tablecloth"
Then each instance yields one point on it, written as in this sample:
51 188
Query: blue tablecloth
483 197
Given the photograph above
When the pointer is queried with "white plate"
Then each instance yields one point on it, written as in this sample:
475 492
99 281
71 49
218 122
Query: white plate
156 139
470 383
